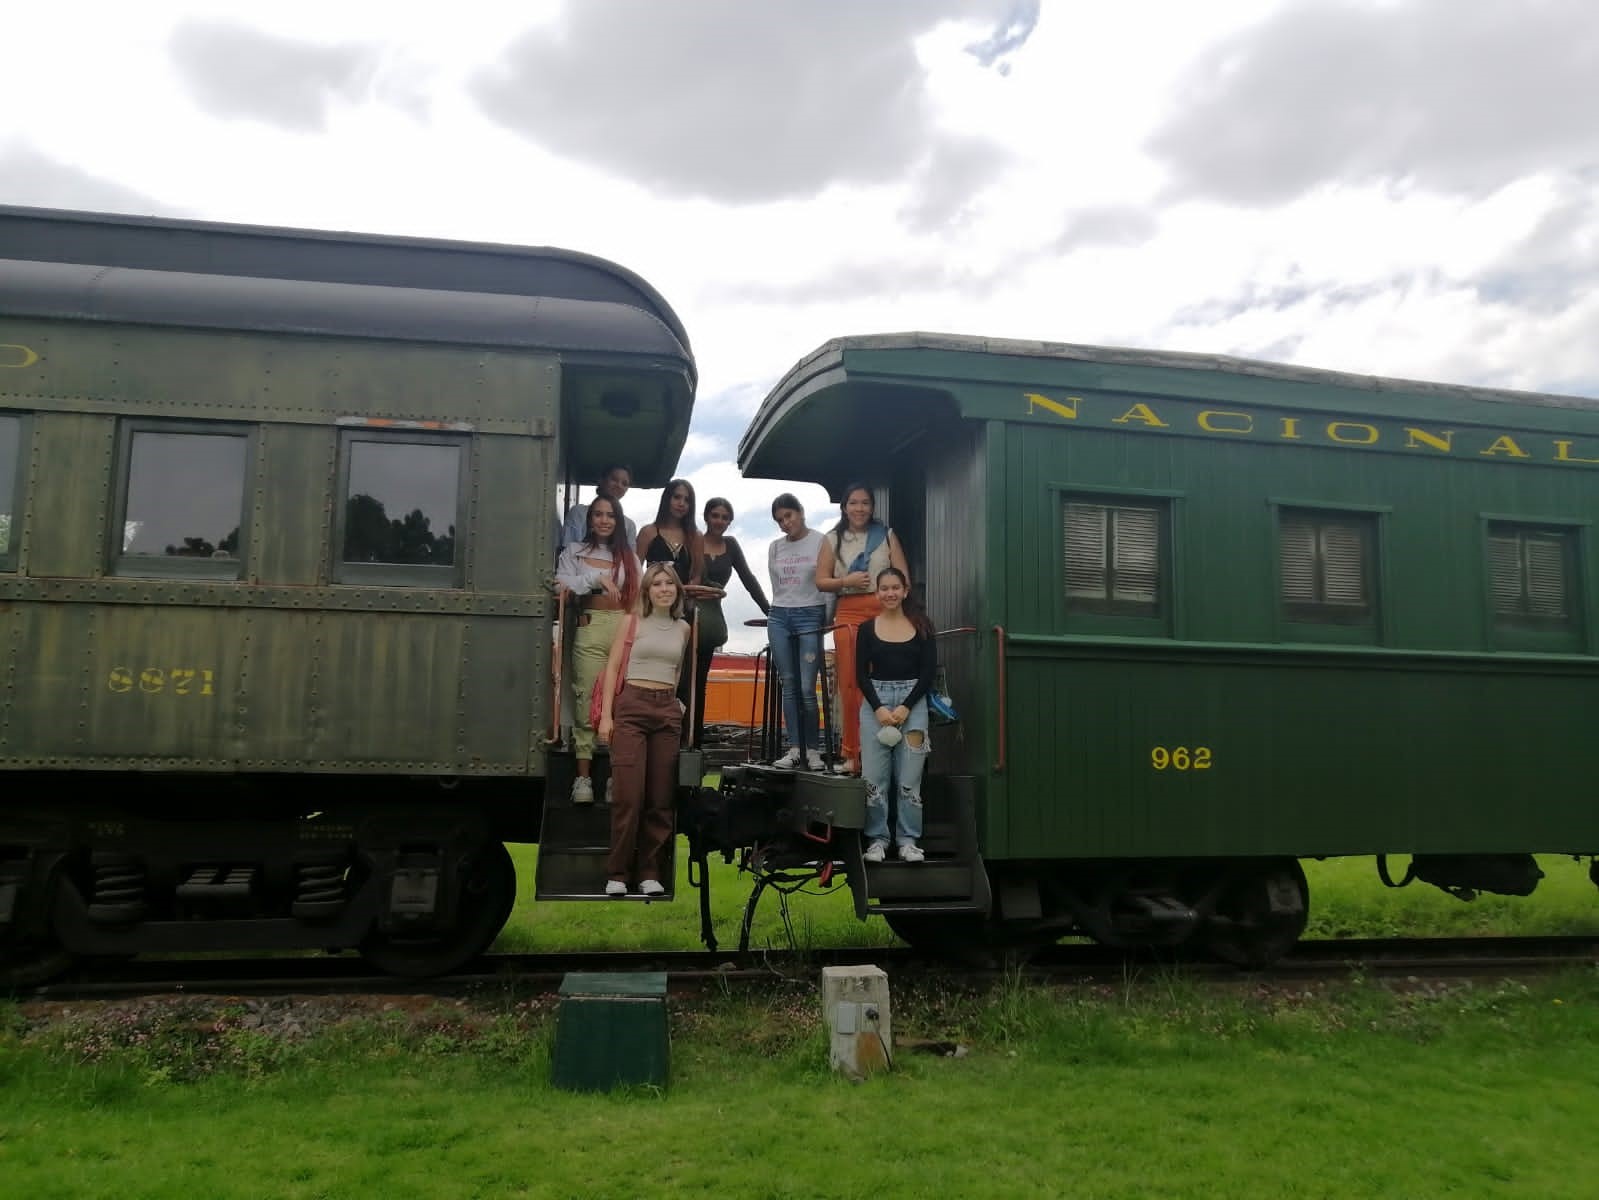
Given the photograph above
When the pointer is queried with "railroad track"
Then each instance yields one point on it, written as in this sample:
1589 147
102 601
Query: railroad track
1403 958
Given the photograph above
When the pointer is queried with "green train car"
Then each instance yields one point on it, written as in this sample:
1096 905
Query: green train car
1220 616
276 550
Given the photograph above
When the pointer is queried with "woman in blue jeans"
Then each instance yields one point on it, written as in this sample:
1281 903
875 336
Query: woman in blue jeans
794 625
896 661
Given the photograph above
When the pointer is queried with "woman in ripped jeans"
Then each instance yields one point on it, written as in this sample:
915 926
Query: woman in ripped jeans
896 660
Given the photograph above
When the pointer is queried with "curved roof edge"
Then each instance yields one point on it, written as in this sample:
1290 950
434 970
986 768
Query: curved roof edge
71 291
1172 359
272 252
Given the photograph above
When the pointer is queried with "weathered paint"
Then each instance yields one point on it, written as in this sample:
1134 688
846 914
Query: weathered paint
282 669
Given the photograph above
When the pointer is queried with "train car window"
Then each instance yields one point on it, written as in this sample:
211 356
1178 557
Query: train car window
1327 566
181 510
10 448
1532 576
1114 557
401 519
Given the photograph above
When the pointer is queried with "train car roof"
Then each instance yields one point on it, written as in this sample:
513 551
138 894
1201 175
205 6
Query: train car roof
123 295
811 426
207 275
271 252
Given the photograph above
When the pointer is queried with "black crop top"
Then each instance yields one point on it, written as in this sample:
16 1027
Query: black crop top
659 551
876 659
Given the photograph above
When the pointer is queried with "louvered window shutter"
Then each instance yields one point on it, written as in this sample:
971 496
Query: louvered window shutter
1137 555
1532 577
1086 576
1504 566
1546 576
1298 561
1343 560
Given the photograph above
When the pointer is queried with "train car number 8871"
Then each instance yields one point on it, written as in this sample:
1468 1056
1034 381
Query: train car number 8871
180 681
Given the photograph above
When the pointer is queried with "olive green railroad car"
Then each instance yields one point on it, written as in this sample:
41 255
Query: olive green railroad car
1226 615
278 537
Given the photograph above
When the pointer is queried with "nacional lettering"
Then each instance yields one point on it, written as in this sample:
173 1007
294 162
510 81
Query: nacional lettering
1178 417
17 356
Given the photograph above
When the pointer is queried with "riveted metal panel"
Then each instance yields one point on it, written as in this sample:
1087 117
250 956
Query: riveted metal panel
393 684
515 519
193 374
503 705
238 595
291 506
209 688
163 683
66 508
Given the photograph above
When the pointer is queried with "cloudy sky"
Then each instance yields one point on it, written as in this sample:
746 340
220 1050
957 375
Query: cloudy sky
1401 187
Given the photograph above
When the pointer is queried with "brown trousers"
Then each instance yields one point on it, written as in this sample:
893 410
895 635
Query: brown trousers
648 729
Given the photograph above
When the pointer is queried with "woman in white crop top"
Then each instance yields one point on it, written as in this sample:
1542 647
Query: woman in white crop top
793 626
643 722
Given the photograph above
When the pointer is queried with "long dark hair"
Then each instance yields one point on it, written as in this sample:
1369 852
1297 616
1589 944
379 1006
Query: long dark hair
691 531
624 564
838 531
909 606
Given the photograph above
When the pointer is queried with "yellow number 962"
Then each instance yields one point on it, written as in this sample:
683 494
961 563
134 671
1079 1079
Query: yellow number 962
1180 758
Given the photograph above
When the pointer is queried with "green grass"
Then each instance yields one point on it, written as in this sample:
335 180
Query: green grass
1152 1089
819 917
1346 900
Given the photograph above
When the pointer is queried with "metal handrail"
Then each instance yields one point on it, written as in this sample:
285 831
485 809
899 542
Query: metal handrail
999 674
556 652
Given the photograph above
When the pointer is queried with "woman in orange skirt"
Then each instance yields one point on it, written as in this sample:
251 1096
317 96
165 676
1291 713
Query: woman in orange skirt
854 552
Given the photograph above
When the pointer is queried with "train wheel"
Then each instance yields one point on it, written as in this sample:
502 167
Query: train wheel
28 963
1259 914
488 892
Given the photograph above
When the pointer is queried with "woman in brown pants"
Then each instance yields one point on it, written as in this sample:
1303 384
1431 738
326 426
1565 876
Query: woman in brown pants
643 722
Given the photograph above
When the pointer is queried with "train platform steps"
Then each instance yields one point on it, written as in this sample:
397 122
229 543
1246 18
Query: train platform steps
575 839
952 879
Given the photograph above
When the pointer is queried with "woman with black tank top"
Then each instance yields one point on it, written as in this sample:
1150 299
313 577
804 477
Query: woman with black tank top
896 660
674 539
722 556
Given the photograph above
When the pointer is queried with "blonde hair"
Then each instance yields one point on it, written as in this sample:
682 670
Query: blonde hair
646 605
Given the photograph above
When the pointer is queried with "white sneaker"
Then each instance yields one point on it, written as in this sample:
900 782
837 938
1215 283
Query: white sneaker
651 887
582 790
615 887
911 852
789 761
875 852
813 761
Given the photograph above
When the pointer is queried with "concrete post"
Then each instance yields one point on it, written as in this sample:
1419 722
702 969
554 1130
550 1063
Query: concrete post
855 1007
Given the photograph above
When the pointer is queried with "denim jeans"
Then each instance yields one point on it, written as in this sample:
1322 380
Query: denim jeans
904 763
796 657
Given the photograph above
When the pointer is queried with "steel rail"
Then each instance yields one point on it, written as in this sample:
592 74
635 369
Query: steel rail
1332 959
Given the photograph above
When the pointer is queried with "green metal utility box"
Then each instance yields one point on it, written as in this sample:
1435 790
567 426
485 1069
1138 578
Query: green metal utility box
611 1031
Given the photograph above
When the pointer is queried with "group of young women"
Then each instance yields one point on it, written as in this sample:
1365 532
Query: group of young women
885 658
650 611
